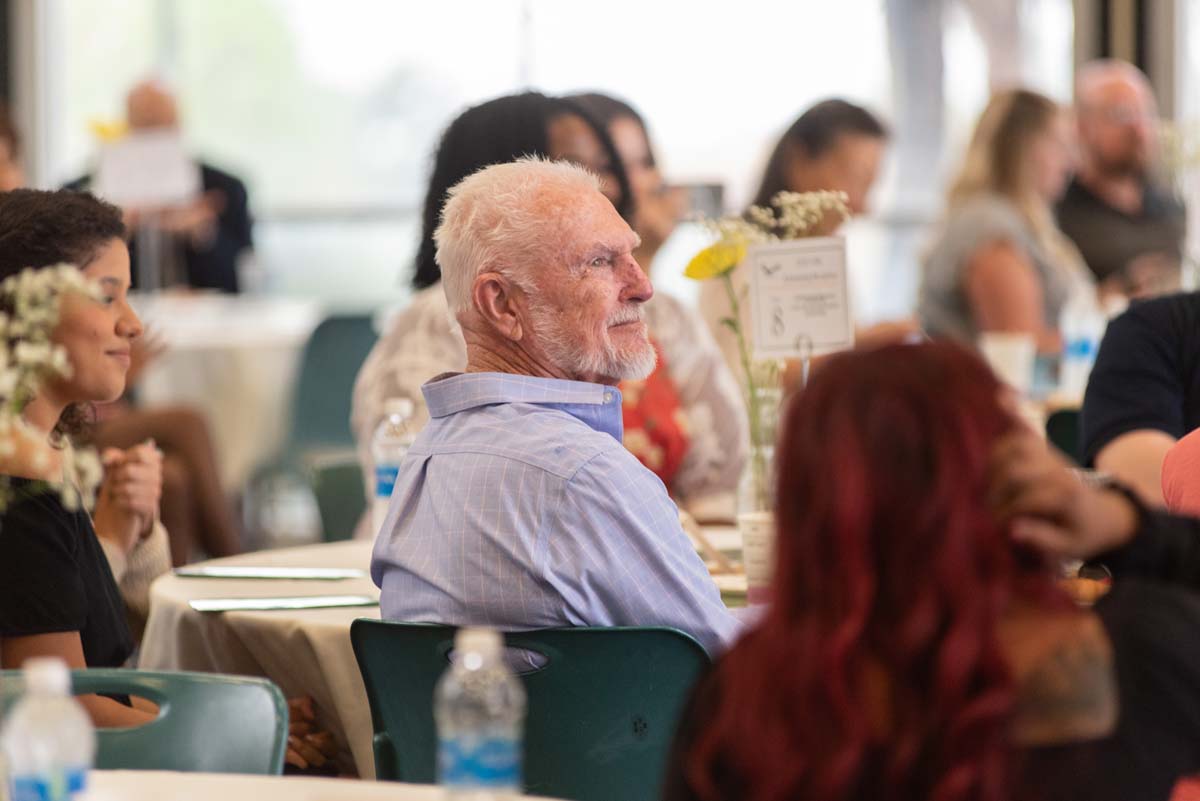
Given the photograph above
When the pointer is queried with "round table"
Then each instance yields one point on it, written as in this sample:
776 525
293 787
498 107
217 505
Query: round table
234 358
305 652
152 785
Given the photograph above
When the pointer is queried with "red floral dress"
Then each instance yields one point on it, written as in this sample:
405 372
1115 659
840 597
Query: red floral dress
656 429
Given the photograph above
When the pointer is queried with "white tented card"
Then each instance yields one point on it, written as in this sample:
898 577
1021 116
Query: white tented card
799 298
269 572
265 604
147 169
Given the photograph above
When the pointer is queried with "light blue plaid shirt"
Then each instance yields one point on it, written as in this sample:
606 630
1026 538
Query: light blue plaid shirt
518 508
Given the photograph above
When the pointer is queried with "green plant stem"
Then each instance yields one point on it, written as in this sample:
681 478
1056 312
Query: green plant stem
758 456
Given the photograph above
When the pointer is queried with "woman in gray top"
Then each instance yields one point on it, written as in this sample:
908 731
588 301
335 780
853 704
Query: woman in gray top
1000 263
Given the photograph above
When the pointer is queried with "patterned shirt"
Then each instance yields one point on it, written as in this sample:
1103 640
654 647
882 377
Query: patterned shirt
517 507
420 342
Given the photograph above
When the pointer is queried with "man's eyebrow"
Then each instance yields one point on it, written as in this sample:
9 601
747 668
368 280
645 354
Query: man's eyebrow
110 280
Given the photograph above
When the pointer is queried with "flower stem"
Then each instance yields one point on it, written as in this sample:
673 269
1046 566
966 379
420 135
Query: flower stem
758 454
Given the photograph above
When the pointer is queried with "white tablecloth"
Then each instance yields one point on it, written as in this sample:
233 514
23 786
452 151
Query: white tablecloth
234 358
303 651
155 785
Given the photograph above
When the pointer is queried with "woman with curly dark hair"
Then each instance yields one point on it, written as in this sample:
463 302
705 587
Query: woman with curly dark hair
58 592
917 647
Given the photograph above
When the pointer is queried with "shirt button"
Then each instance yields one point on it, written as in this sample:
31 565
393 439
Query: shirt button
608 397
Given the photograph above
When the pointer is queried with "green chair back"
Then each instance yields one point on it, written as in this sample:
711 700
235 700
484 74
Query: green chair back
1062 430
337 484
321 399
207 723
601 713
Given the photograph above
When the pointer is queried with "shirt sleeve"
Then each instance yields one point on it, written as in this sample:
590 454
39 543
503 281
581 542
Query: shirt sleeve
1135 384
1166 547
41 590
616 553
1181 476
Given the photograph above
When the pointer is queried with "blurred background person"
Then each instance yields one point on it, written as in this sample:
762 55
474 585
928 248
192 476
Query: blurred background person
684 422
999 263
915 645
833 146
204 240
657 207
1129 228
11 174
1143 395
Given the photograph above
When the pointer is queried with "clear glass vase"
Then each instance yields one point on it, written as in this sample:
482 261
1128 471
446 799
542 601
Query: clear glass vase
757 490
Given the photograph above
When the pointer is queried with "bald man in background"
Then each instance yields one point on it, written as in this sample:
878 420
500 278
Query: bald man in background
1129 231
208 235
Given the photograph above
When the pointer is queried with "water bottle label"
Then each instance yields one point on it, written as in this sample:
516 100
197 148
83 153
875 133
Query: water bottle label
62 785
1079 348
480 762
385 479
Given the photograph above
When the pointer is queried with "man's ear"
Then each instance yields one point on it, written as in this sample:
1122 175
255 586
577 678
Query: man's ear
496 299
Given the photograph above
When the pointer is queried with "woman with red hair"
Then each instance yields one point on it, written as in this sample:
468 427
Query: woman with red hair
917 646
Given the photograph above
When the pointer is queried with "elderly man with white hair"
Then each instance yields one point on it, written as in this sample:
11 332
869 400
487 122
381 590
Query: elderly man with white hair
517 506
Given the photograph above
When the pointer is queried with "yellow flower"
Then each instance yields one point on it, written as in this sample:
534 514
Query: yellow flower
716 260
108 131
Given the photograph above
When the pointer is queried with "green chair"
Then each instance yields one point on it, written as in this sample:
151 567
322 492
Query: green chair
1062 430
337 484
207 723
320 413
601 713
319 428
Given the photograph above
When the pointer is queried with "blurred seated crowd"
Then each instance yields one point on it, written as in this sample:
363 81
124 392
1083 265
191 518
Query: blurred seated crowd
917 641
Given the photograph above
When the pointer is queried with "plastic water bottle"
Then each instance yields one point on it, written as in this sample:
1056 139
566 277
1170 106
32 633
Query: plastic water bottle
480 710
389 443
1082 325
48 739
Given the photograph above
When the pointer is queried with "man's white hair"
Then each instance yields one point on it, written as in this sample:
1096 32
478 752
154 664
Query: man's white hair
500 218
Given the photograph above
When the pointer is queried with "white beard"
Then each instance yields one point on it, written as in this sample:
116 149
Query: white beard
563 348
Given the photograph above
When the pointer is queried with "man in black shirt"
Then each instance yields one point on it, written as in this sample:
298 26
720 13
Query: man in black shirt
1129 231
1144 391
206 238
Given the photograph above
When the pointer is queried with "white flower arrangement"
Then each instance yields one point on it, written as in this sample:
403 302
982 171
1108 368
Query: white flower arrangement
28 357
791 215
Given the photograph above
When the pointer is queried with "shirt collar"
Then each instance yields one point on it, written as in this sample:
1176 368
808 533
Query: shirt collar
597 405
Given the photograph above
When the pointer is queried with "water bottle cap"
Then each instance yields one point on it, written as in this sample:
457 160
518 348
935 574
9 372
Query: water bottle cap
486 642
399 406
46 675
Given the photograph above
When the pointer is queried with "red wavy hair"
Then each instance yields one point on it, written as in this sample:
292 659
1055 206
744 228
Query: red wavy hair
876 671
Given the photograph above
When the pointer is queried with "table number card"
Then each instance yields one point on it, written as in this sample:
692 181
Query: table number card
799 298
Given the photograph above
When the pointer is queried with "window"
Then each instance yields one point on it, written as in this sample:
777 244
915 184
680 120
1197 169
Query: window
330 111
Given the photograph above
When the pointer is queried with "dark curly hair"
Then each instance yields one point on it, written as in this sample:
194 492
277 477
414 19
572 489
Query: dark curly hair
40 229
